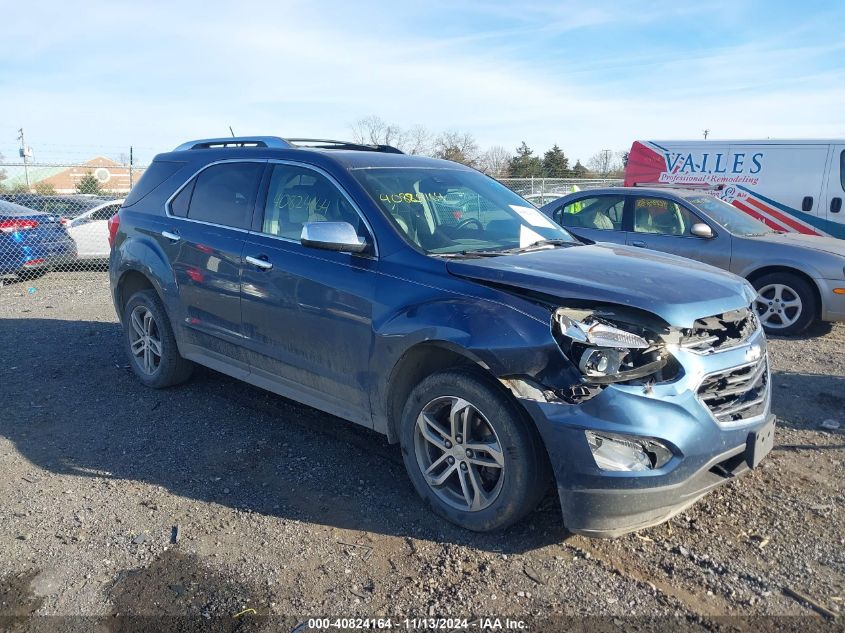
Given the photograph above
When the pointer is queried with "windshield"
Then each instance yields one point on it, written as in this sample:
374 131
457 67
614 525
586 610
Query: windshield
729 217
445 211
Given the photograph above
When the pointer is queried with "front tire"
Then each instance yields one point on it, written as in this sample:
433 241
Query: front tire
470 452
785 303
150 343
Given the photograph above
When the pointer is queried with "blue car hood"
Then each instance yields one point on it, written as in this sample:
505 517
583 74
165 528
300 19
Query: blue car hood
676 289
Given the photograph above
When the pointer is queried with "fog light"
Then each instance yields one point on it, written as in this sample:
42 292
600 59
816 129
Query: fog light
613 452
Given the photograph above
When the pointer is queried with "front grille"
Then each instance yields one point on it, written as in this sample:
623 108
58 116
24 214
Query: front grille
721 332
737 394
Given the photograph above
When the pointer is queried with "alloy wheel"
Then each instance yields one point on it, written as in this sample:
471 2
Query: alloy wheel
145 340
459 453
778 306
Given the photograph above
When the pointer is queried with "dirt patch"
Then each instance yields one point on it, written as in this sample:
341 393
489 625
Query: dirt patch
18 601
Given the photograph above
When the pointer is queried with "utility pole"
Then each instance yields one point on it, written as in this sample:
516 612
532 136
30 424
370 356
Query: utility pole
26 153
706 132
131 162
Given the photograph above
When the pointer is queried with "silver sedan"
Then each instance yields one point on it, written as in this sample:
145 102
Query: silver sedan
799 278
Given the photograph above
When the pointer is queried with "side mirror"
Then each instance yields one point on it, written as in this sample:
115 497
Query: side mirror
699 229
332 236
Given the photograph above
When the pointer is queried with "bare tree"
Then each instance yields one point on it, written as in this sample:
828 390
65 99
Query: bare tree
495 162
417 140
460 147
376 131
606 163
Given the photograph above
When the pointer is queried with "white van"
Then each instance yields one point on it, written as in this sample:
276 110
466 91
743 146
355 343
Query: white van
793 186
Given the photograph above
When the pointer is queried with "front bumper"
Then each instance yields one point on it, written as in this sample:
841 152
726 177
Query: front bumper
706 453
833 305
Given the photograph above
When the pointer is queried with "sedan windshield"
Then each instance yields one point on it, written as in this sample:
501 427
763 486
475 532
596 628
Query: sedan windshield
446 211
729 217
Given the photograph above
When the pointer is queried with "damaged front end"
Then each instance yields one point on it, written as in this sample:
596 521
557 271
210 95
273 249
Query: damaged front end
603 346
648 416
607 352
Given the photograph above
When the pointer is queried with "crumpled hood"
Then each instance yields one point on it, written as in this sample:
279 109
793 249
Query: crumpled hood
676 289
830 245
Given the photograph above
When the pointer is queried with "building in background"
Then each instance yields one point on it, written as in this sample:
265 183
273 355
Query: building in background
110 175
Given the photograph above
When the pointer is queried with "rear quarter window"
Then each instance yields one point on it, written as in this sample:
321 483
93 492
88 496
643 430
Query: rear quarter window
155 174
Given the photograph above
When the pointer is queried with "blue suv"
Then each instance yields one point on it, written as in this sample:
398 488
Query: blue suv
428 302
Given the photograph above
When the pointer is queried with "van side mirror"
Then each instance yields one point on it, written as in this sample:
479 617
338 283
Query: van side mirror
332 236
699 229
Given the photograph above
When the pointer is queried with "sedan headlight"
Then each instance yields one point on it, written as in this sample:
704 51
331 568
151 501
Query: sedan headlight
606 353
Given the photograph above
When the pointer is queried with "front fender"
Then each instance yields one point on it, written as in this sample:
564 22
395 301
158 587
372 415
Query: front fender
500 338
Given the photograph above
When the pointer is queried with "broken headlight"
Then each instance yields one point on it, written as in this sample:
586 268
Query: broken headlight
606 353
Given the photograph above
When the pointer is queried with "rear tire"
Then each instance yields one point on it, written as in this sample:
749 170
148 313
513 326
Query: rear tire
470 452
150 344
786 303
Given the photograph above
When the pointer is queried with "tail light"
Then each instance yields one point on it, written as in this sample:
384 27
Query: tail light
13 226
64 221
113 224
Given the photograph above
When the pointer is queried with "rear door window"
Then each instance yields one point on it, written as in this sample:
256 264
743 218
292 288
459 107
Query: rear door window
225 194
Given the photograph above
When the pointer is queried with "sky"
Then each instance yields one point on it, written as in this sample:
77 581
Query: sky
96 77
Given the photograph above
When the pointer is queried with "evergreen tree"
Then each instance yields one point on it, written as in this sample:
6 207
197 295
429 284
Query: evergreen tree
579 171
88 184
525 164
555 163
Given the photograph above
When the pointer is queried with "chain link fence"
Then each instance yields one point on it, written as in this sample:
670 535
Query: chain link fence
54 217
540 191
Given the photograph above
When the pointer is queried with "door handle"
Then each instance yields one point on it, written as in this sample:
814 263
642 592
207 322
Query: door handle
638 244
173 237
259 262
836 205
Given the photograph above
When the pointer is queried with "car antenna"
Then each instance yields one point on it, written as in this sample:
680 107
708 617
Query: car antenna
232 131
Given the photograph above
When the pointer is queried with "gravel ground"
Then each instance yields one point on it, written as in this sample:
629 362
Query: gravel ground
216 497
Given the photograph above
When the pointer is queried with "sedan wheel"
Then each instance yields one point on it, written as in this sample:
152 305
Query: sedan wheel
786 303
778 306
459 453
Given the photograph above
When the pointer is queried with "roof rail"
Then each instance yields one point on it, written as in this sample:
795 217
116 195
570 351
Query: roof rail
275 142
322 143
235 141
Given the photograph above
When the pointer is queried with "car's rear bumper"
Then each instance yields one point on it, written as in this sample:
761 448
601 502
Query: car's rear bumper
833 304
48 255
705 454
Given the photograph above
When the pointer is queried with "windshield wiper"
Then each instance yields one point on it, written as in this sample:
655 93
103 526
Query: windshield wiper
509 251
537 245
